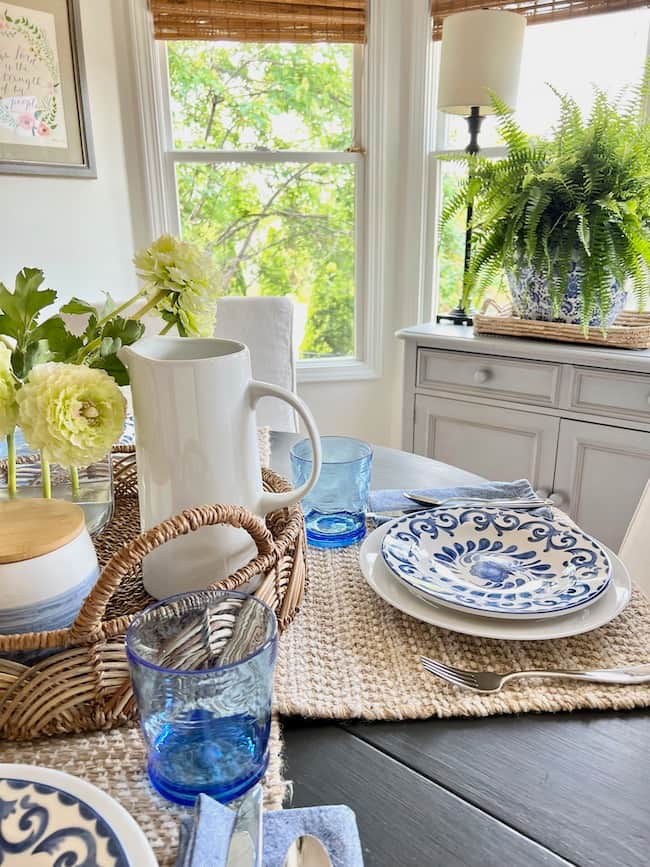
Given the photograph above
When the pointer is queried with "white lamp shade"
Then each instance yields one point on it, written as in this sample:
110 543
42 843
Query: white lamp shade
481 52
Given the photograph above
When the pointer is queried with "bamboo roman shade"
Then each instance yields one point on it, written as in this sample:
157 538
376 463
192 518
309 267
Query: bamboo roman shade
536 11
260 20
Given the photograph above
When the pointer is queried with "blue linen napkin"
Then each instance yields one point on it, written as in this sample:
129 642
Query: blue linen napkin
395 501
335 827
204 840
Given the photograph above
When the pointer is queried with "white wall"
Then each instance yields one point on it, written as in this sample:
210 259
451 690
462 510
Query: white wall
77 230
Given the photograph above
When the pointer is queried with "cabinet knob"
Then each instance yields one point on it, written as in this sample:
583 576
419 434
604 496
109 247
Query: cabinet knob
481 375
557 499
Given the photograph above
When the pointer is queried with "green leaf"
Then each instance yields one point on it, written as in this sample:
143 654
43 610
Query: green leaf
113 366
126 330
78 305
8 327
63 345
36 352
107 307
109 346
90 332
30 298
20 307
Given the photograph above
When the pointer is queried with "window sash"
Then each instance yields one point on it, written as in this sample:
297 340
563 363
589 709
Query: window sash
355 155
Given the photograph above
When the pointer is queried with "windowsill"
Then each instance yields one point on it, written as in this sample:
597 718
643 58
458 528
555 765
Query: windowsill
334 370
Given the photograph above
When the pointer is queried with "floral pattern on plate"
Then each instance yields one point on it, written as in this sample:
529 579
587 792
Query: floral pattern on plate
46 826
497 562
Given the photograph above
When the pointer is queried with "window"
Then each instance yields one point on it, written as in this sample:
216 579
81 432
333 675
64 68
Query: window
265 170
608 51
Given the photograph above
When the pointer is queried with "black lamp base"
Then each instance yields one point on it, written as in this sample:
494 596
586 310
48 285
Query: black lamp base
457 316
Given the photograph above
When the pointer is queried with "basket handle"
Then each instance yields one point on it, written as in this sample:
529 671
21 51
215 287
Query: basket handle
87 625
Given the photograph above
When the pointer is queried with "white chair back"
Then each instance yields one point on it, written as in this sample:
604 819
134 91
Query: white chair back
266 326
635 547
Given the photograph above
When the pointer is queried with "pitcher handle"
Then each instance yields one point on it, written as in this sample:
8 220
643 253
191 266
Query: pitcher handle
269 501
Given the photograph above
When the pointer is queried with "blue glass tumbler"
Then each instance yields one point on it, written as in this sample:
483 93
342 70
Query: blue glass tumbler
335 508
202 669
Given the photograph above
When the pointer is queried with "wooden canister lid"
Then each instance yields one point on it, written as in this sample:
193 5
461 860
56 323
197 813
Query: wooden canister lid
32 527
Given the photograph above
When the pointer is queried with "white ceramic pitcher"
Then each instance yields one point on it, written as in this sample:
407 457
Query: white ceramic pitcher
196 441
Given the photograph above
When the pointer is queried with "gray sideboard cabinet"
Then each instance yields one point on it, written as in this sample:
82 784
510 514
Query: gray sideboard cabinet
573 419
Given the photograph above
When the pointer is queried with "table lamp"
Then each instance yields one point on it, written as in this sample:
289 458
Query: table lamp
480 54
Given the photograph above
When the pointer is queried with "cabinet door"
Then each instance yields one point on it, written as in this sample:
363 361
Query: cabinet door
499 444
600 475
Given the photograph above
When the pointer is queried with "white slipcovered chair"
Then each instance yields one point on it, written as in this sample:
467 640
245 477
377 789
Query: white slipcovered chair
266 326
635 547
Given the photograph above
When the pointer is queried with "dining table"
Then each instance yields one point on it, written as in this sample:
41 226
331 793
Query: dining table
509 791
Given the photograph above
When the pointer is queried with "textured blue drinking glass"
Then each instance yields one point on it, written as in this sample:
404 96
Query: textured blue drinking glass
335 508
202 669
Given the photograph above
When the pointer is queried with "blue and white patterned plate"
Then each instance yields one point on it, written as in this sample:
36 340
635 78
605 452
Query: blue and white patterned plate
52 819
496 562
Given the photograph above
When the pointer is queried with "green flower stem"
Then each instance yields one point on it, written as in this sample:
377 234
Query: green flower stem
157 298
168 326
46 481
74 480
11 463
120 308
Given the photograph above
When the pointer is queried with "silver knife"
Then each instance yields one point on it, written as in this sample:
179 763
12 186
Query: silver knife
505 502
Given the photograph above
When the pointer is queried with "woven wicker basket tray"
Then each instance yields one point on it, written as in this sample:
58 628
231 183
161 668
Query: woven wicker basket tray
85 684
629 331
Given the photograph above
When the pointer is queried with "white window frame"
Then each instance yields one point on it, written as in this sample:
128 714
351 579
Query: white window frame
372 179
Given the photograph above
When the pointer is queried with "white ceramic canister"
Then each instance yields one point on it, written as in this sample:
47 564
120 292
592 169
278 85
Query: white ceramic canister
48 564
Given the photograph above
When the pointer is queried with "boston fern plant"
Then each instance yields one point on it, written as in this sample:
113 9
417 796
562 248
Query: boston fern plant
580 200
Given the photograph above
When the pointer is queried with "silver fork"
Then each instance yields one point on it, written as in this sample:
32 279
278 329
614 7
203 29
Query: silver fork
492 681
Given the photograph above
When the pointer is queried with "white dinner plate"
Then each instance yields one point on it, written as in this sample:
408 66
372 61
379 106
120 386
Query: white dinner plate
496 562
49 818
386 585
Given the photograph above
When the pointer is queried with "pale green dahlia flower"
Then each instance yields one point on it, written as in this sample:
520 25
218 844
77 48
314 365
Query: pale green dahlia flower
5 356
8 405
185 276
71 413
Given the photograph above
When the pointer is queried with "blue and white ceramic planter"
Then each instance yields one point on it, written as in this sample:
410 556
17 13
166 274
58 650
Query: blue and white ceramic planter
532 299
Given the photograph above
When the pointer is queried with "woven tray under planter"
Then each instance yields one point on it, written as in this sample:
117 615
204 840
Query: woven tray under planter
85 686
629 331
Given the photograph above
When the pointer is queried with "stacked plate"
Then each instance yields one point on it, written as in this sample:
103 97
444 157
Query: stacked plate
495 572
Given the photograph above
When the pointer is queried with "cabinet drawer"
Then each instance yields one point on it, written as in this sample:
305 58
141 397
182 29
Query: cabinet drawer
504 378
610 392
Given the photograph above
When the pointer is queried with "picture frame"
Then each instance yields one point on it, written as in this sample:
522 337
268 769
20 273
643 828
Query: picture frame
44 110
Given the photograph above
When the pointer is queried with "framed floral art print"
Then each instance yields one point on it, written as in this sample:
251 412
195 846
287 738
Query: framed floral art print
44 116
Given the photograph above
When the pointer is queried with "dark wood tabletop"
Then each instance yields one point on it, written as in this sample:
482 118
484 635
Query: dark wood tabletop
509 791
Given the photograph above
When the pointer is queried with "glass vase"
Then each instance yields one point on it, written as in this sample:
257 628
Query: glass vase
93 491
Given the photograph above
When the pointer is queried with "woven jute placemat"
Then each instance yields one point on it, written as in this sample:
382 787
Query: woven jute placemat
351 655
115 761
